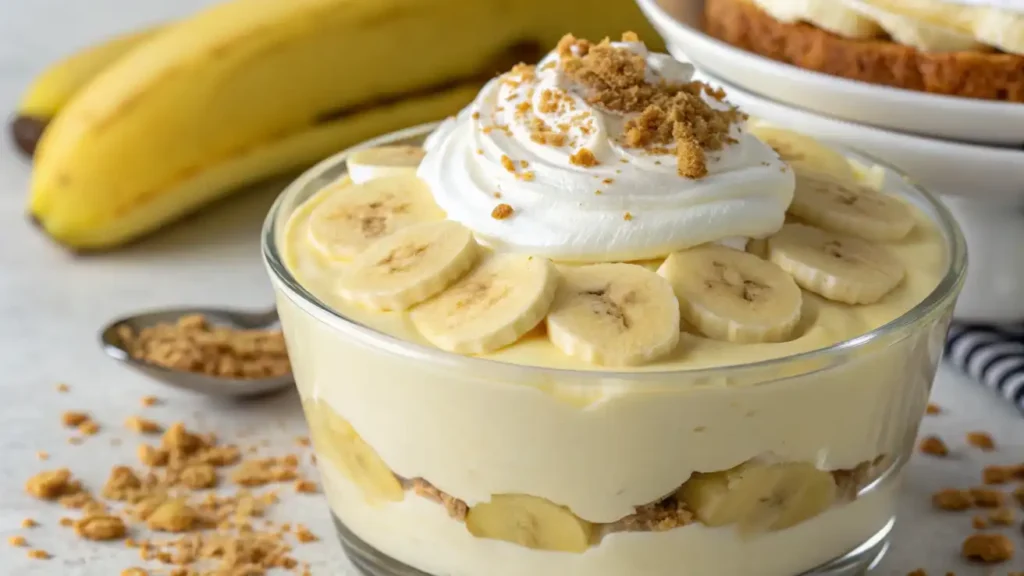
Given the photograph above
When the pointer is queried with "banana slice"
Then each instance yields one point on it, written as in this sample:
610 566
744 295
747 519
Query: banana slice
828 14
530 521
614 314
1001 28
410 265
732 295
335 438
356 215
758 496
841 268
384 161
803 153
492 307
930 34
850 208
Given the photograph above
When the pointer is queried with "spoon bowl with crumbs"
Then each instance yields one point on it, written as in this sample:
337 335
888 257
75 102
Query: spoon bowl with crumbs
213 351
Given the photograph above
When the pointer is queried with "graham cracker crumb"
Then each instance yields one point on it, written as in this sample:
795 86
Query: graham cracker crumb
933 409
63 388
979 522
627 216
193 344
73 419
39 554
987 498
669 113
52 484
101 527
142 425
66 522
304 535
507 163
172 516
981 440
996 474
29 523
303 441
952 499
933 446
1018 494
89 428
583 157
306 487
18 541
199 476
630 36
75 440
134 572
456 508
151 456
502 211
42 455
988 548
666 514
150 401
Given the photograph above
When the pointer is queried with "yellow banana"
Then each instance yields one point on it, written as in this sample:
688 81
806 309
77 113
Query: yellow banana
251 88
52 89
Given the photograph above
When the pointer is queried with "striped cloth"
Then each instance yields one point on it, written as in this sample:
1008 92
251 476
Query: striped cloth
992 355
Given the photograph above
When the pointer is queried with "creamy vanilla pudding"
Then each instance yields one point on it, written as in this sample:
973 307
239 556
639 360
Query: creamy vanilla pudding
601 323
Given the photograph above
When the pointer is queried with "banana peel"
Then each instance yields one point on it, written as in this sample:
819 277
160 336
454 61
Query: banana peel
51 90
252 88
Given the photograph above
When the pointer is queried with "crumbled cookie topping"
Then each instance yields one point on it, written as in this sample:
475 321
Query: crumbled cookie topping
669 114
988 548
981 440
456 508
195 345
933 446
502 211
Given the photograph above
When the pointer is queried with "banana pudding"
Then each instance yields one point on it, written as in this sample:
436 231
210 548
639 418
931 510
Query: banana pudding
601 323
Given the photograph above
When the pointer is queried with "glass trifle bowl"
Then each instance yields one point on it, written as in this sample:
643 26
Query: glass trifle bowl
553 396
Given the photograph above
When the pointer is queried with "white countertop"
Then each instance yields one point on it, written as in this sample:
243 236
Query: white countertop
52 304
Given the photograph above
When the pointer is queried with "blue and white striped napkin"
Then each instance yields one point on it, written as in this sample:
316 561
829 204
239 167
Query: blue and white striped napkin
992 355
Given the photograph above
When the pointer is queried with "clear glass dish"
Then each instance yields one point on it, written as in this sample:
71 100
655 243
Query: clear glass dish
408 438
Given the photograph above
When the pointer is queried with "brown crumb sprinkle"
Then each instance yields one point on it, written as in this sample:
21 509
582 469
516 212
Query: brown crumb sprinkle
502 211
933 446
142 425
101 527
979 522
18 541
305 487
952 499
507 163
933 409
29 523
39 554
583 157
456 508
42 455
988 548
195 345
627 216
74 419
997 474
1002 516
52 484
89 428
63 388
987 498
981 440
148 401
134 572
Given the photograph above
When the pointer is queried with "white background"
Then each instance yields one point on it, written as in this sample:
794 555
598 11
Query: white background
52 305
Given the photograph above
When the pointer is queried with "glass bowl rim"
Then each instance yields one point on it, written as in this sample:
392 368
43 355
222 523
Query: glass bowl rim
946 289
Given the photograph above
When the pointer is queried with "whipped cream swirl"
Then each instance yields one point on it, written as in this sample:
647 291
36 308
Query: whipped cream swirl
632 204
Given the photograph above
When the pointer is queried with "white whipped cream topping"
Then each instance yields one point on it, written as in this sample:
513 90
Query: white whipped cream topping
1010 5
558 211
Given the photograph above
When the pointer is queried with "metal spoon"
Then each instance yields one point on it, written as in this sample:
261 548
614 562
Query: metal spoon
196 382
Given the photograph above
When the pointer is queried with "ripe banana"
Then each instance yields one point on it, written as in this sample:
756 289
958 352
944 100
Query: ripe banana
850 208
339 443
613 314
491 307
51 90
840 268
757 496
353 216
732 295
364 165
530 521
251 88
828 14
410 265
801 152
934 32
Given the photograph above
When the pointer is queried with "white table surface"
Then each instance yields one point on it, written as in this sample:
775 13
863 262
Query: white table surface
52 304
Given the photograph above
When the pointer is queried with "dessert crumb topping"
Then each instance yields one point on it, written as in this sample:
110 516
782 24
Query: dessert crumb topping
988 548
933 409
583 157
669 113
981 440
501 211
627 216
933 446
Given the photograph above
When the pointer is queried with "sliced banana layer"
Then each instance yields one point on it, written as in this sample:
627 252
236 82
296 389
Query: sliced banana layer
530 521
933 33
613 314
828 14
841 268
356 215
850 208
1003 29
335 438
803 153
384 161
409 266
732 295
491 307
758 497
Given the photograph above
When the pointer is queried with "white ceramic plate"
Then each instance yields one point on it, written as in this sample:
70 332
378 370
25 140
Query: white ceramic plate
964 119
951 168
